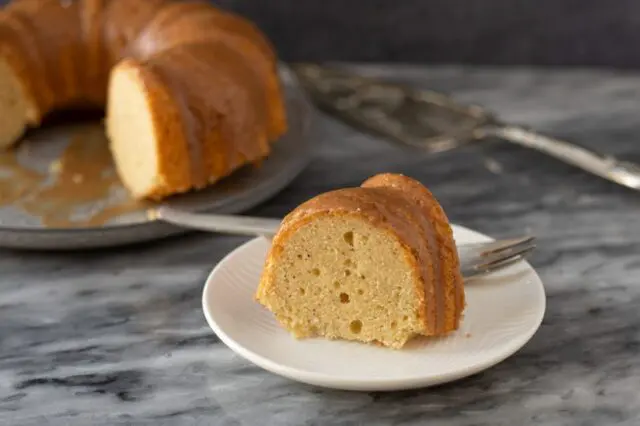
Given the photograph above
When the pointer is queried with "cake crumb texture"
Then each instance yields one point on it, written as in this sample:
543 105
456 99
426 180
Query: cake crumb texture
374 264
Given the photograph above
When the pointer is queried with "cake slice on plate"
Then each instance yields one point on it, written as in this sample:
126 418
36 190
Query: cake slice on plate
376 263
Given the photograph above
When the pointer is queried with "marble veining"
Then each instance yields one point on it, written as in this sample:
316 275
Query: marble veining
118 336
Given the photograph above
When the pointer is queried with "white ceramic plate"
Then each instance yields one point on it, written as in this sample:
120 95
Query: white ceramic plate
503 312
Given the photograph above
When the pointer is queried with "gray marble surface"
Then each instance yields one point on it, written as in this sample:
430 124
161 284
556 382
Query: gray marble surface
118 337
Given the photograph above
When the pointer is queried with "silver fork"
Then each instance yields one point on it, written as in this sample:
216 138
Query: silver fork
475 258
481 258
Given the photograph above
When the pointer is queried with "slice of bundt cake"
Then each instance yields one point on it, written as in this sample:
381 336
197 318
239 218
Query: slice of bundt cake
376 263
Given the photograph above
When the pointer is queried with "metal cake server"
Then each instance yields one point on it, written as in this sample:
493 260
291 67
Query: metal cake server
435 122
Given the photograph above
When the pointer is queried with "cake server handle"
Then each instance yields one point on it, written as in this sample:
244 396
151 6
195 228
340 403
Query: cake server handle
435 122
224 224
606 166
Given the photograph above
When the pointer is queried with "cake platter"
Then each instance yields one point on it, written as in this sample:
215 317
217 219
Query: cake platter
44 208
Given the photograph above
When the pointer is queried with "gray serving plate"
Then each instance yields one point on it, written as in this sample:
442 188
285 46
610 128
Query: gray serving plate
241 191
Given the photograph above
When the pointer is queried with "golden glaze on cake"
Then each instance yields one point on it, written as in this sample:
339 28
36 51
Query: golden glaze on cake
413 238
206 79
450 298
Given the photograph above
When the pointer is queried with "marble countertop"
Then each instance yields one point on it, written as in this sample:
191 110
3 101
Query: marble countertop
118 336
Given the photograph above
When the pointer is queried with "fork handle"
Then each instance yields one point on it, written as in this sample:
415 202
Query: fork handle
226 224
605 166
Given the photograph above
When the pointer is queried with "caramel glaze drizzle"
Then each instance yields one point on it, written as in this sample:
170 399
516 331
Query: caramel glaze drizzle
82 179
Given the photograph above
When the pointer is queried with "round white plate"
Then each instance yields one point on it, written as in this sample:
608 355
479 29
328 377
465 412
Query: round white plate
503 312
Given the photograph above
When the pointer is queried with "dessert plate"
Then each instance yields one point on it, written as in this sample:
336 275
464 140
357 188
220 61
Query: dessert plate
94 211
503 312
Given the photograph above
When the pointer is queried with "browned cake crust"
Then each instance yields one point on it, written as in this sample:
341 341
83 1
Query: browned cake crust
451 292
405 209
218 70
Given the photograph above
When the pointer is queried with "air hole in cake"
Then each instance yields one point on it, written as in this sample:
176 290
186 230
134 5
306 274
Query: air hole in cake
316 272
302 291
348 238
344 298
336 284
405 318
355 326
394 324
360 291
361 277
347 273
300 256
349 262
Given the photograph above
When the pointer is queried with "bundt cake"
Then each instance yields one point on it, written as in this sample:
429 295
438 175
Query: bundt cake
377 263
191 92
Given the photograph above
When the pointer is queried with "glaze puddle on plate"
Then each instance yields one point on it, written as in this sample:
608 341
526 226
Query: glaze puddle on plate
77 186
503 312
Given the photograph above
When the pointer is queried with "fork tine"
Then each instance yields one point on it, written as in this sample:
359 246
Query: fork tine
494 268
475 264
505 245
506 252
492 262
